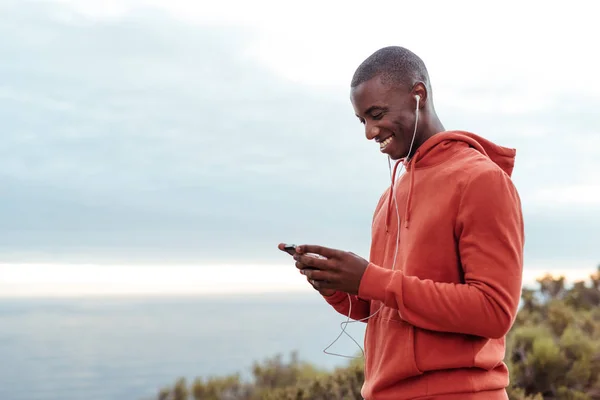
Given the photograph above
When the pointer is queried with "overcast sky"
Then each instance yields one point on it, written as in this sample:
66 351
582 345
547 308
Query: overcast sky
142 132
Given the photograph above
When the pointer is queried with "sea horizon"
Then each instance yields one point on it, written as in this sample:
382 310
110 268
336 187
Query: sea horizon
73 280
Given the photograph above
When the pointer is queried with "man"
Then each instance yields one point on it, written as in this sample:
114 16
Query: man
443 281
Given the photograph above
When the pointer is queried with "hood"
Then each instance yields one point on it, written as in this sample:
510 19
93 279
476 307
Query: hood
438 148
434 150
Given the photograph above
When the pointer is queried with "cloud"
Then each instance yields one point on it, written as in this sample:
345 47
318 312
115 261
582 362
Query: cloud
141 134
583 195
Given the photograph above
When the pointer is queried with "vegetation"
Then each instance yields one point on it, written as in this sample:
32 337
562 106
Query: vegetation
553 353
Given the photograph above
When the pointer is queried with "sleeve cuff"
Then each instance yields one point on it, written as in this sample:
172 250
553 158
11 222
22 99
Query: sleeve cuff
335 298
374 282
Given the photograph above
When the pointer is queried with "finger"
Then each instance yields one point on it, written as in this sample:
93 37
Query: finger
318 275
322 285
310 261
320 250
282 247
313 282
300 266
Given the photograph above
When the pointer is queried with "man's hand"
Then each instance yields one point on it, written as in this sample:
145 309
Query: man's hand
339 270
323 292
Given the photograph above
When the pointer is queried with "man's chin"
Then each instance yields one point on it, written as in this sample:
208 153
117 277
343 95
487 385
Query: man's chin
393 153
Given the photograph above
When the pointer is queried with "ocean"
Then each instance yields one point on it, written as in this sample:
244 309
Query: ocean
128 348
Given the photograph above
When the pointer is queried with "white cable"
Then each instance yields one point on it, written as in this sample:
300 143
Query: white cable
344 324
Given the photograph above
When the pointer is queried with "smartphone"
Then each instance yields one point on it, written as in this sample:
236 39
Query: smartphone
290 249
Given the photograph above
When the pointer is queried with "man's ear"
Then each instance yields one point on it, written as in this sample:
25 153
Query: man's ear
420 90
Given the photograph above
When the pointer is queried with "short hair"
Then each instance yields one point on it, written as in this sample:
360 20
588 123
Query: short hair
395 64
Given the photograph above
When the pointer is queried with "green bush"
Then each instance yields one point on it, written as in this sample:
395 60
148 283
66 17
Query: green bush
553 353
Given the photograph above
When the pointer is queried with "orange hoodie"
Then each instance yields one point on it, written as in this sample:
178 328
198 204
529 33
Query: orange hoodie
442 311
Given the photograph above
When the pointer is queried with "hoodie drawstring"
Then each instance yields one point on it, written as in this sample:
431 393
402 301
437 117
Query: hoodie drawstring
411 170
410 193
388 215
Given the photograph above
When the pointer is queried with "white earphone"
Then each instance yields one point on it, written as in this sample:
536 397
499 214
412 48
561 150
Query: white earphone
348 321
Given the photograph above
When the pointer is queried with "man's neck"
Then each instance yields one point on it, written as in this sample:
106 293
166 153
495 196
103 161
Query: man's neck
431 126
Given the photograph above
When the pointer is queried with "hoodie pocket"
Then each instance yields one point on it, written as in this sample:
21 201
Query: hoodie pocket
443 350
391 348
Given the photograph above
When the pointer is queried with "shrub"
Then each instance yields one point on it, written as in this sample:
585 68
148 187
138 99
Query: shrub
553 353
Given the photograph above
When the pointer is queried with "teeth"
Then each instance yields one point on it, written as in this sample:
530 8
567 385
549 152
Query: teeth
385 142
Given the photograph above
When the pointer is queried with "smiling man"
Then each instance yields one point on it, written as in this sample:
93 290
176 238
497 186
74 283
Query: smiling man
443 281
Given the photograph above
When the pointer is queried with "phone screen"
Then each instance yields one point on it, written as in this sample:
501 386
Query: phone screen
290 249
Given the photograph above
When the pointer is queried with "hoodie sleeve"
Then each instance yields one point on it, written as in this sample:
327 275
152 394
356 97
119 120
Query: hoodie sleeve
339 301
490 234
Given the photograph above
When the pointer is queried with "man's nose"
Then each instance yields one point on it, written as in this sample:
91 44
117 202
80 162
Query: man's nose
371 131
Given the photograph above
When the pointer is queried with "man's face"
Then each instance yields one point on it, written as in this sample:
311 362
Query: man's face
388 113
